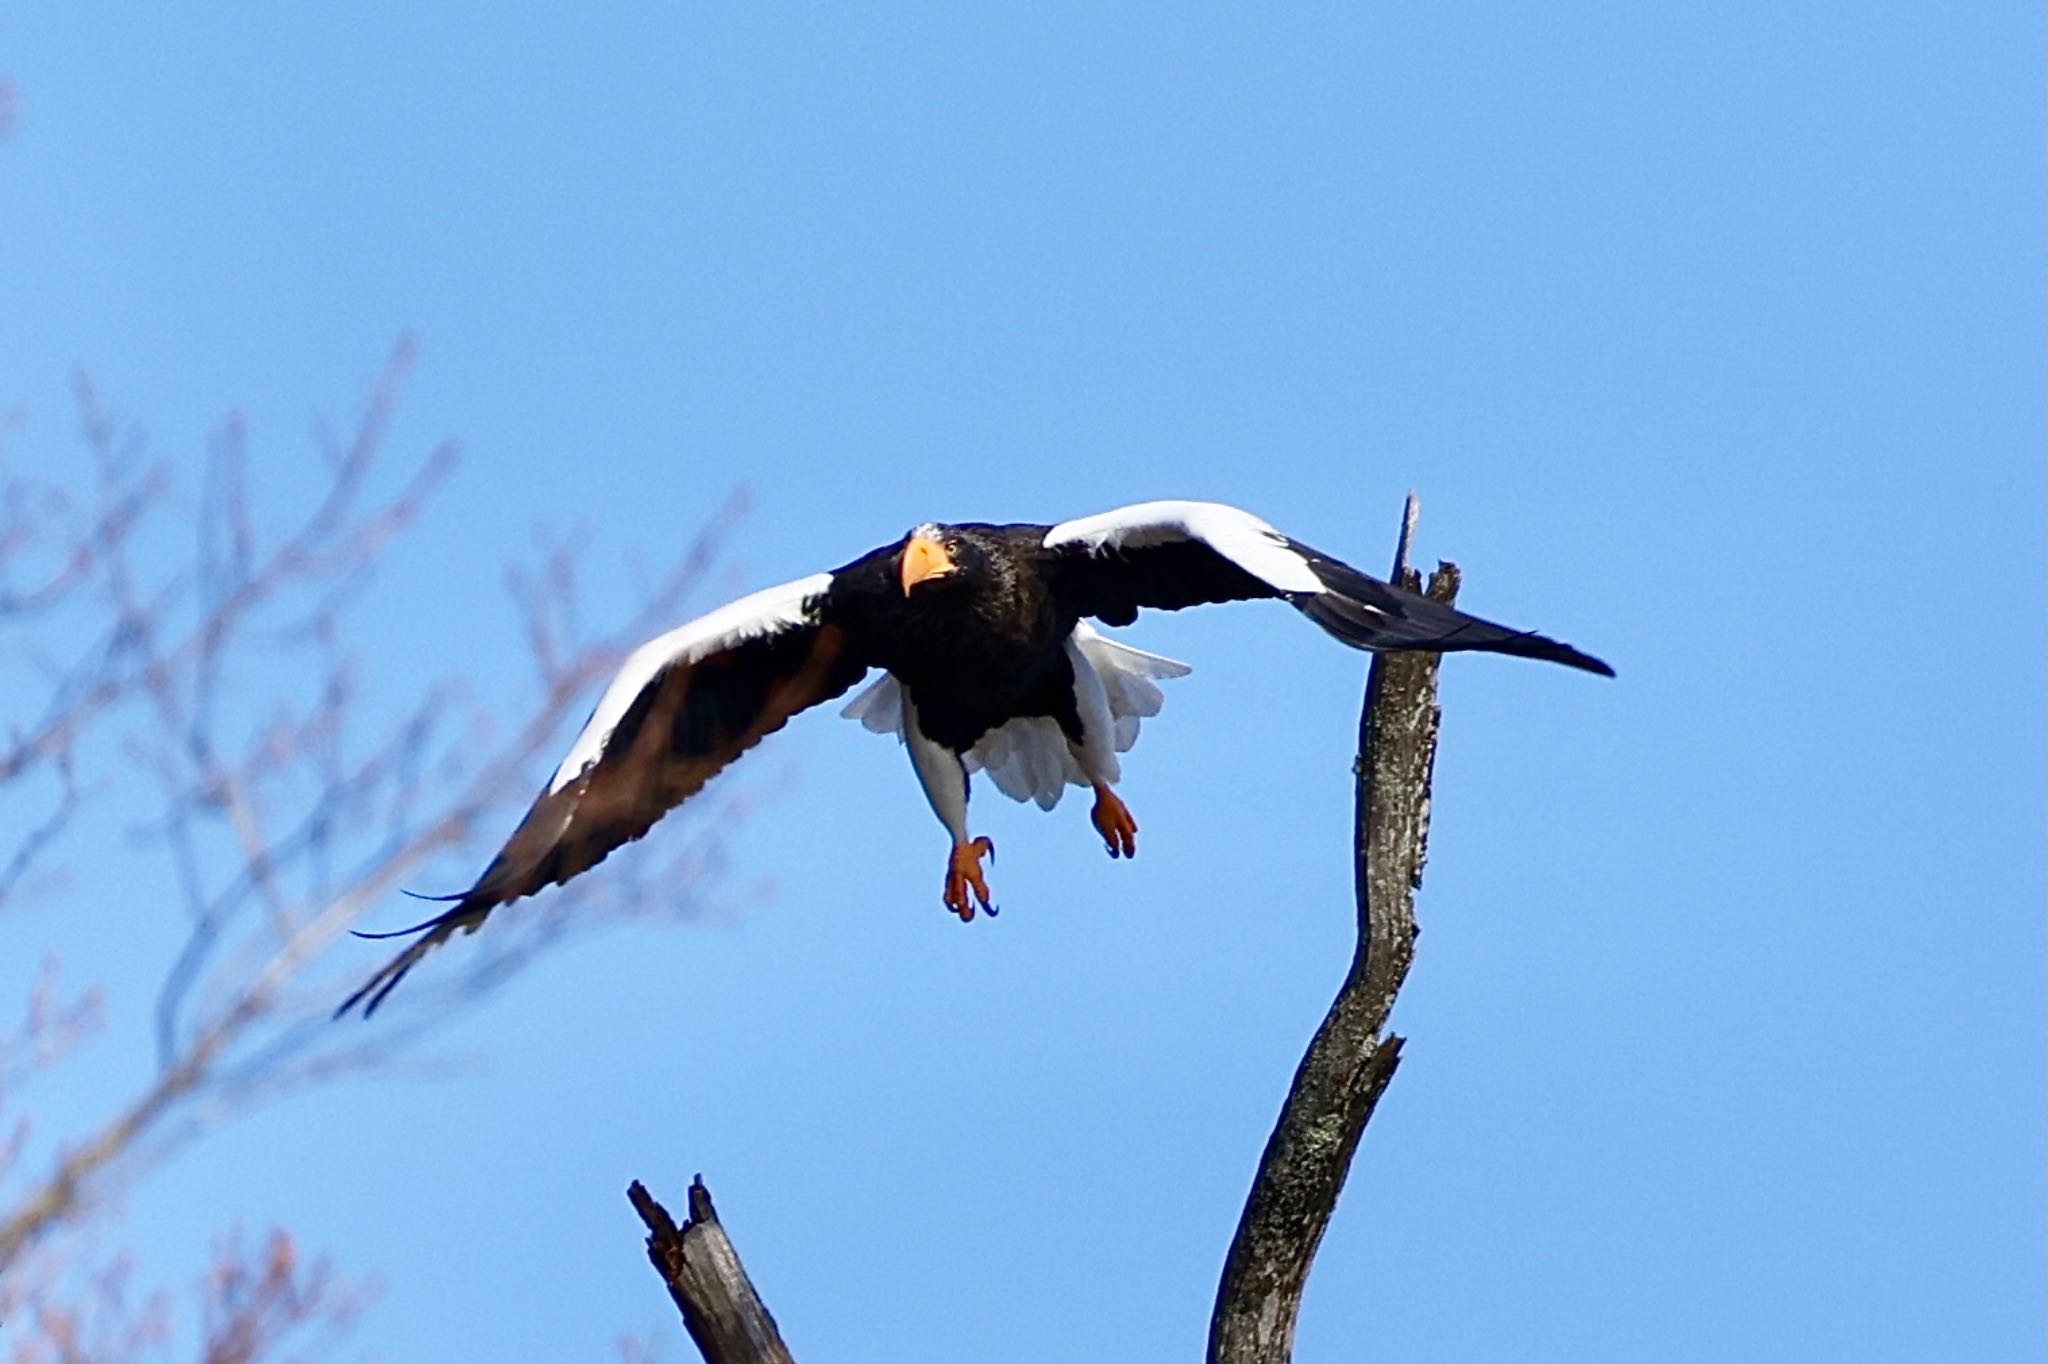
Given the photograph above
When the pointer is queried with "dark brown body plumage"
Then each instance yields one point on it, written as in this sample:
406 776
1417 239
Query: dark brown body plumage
975 650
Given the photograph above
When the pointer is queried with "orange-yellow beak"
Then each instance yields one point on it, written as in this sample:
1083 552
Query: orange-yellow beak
925 558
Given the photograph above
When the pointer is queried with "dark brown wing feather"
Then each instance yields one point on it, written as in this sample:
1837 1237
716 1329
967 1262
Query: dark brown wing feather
684 727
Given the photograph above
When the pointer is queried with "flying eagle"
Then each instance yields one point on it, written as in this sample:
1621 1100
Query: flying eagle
989 664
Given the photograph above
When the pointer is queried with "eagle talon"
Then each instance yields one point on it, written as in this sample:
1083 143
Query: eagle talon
1113 820
965 886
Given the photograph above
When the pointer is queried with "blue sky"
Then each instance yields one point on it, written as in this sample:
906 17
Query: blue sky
1712 337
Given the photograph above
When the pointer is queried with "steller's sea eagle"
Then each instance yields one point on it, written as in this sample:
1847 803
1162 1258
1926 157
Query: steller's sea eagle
989 664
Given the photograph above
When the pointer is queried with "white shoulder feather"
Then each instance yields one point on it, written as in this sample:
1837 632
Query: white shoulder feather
1238 536
769 611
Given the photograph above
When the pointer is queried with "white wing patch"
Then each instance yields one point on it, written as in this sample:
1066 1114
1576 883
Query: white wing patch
1029 758
1237 535
766 612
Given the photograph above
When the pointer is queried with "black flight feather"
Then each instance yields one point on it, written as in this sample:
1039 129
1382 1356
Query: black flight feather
1369 614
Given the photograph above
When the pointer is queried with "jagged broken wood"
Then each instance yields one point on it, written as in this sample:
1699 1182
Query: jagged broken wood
720 1308
1352 1057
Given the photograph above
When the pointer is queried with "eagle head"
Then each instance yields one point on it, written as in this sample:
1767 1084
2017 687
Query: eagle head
936 556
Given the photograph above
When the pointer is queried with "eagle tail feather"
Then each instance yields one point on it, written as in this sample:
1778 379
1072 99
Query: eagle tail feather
1369 614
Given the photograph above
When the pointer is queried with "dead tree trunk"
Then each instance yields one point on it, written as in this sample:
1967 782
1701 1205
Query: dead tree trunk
1352 1058
720 1308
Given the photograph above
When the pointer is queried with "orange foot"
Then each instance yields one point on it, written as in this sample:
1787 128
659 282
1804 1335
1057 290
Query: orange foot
964 884
1114 822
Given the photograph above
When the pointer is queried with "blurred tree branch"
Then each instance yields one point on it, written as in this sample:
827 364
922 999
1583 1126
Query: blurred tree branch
1352 1058
197 682
254 1301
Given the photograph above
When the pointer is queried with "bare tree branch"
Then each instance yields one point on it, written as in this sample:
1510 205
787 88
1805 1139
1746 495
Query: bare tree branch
1352 1058
720 1308
205 652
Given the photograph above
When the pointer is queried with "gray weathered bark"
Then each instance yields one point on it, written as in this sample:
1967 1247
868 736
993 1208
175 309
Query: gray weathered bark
720 1308
1352 1058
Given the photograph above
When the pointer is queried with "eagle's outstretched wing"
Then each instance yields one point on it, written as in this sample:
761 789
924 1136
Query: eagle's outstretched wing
1174 554
681 707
